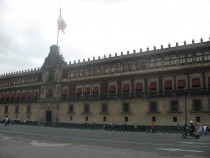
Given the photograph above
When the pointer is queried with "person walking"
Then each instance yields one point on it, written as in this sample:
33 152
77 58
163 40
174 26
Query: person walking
152 127
6 122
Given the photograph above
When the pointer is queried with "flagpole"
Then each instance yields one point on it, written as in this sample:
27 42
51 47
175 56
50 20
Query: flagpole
57 37
58 30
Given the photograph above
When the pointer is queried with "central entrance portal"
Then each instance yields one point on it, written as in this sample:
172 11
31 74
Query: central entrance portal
49 116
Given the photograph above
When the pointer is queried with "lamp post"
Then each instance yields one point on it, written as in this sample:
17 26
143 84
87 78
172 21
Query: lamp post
186 93
56 102
185 96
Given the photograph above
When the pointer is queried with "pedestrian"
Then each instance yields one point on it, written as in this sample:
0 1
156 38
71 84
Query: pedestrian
6 121
178 128
204 129
135 127
152 127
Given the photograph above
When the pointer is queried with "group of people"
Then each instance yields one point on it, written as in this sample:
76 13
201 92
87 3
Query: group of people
202 129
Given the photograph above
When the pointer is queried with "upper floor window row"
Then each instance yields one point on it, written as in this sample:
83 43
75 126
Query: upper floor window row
18 81
141 64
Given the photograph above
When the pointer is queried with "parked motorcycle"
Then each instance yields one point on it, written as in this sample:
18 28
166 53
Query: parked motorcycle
185 134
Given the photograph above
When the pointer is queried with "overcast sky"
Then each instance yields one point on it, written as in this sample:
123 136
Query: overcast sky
95 27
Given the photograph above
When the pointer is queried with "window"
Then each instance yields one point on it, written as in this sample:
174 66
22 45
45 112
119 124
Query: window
102 70
104 118
118 67
153 119
153 107
197 105
181 84
206 56
141 65
79 91
182 59
28 109
158 62
125 67
86 118
95 90
1 96
126 119
86 108
196 83
139 87
189 58
64 93
153 86
16 109
152 63
174 106
126 108
71 108
197 119
130 66
87 91
113 68
112 89
92 72
168 85
125 88
174 119
199 57
107 69
173 60
104 108
6 109
166 61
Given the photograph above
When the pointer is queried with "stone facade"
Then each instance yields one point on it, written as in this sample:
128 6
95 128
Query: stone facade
167 86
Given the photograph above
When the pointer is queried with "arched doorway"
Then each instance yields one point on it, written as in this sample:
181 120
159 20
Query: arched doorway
49 116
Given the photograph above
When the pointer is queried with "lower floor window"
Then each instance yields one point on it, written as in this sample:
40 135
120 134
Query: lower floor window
174 119
197 119
153 119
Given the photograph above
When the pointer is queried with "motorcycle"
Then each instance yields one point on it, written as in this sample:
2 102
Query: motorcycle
196 134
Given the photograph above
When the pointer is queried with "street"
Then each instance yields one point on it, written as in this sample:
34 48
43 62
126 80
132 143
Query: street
19 141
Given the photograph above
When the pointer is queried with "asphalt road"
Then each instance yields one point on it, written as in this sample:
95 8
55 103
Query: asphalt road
20 141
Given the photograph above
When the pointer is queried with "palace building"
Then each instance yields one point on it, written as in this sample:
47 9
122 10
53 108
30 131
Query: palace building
166 86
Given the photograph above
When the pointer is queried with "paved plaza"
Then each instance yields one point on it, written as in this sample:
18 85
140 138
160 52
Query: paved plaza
44 142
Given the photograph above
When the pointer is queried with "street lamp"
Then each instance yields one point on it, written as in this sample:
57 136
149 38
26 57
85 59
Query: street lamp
56 102
186 93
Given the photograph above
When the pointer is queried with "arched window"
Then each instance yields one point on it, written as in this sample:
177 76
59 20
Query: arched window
118 67
152 63
206 56
125 66
173 60
189 58
199 57
158 62
182 59
76 73
102 69
113 68
166 61
71 74
130 66
81 73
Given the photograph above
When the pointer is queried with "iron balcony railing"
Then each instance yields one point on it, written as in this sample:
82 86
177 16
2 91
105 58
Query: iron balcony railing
112 96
